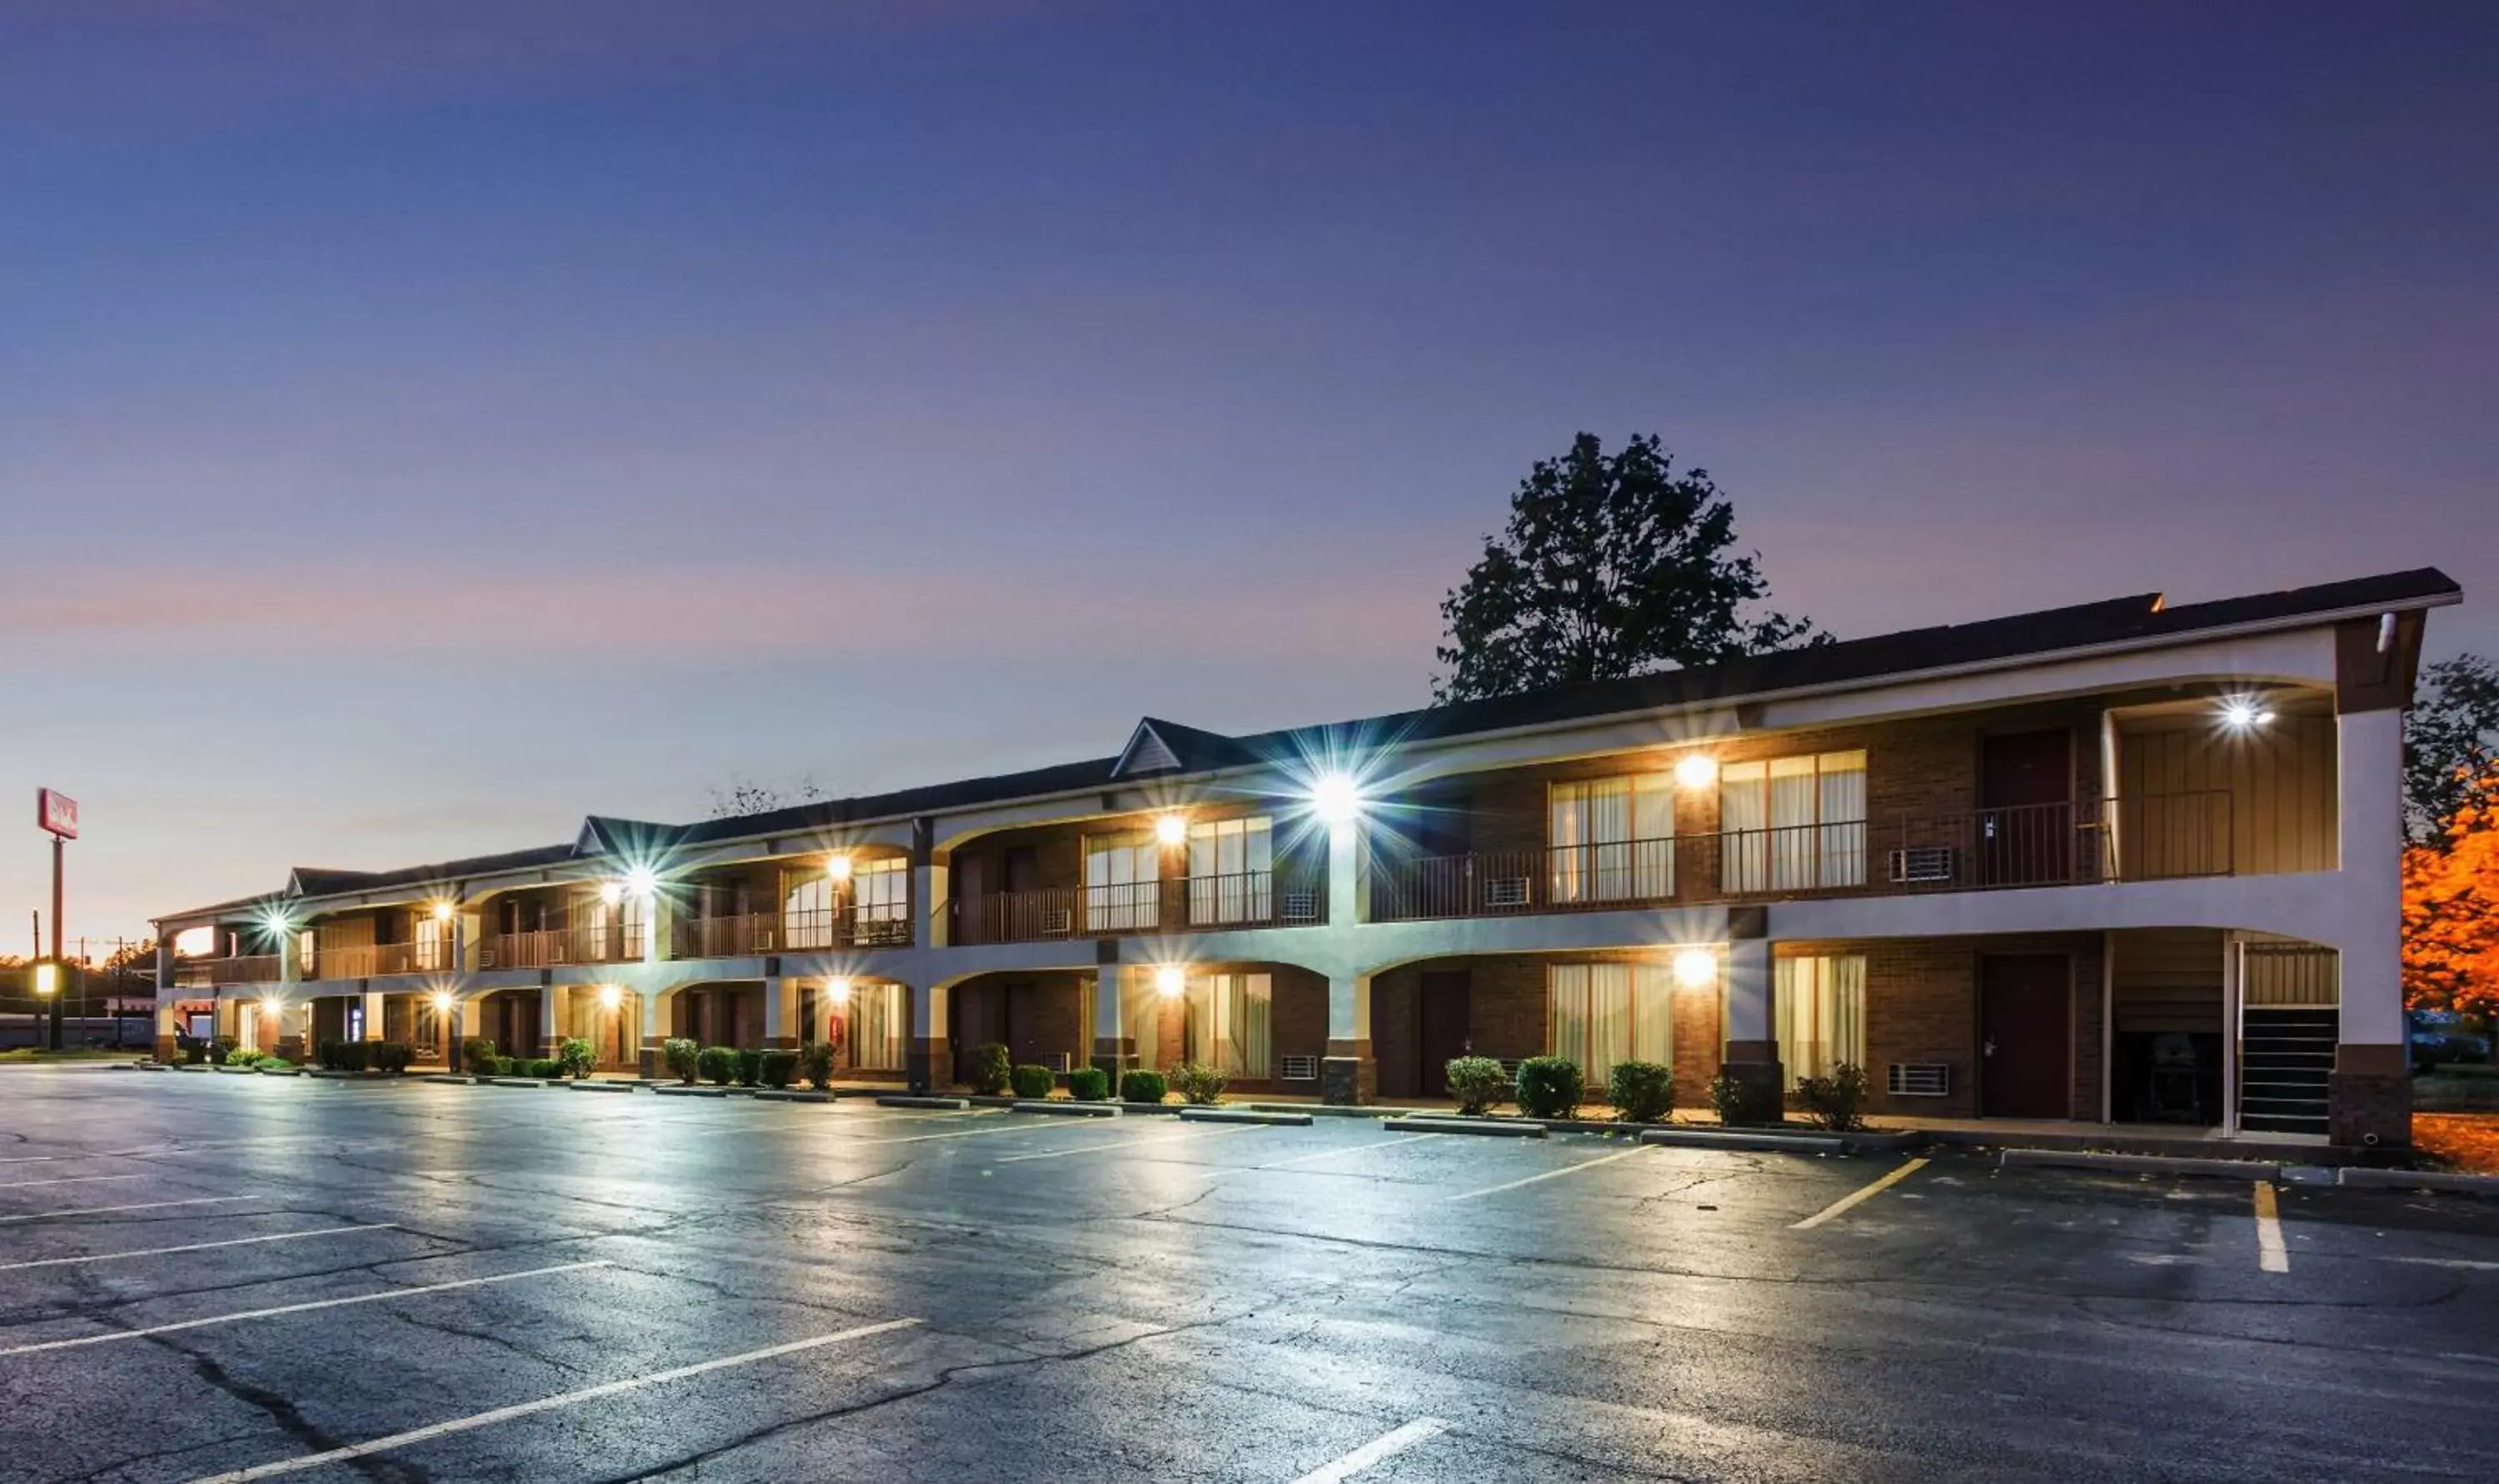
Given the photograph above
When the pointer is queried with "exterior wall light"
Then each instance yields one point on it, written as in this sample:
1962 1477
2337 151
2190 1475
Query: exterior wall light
609 996
1336 799
2242 713
1171 981
838 868
1696 968
1172 830
443 912
839 989
642 882
1696 771
272 1007
442 1002
610 893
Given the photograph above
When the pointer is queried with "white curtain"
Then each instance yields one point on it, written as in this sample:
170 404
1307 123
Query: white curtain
1230 866
1122 876
1611 839
1818 1007
1591 1016
880 895
1793 823
1653 1014
1141 1018
1794 847
1843 819
1743 813
1228 1019
878 1028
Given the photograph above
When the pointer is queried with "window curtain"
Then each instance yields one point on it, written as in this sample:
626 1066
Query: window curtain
807 912
878 1027
1743 814
1141 1018
1230 870
1228 1019
1123 883
1819 1013
1843 819
1652 1014
1793 823
1793 847
1611 839
1590 1016
880 894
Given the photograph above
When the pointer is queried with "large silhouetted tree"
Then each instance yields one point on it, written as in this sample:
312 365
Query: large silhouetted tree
1611 565
2450 744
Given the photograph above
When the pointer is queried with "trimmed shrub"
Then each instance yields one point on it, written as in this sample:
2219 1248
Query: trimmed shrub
1477 1082
358 1055
683 1057
393 1056
717 1064
1200 1082
1088 1085
992 1069
1837 1102
1033 1081
1549 1087
775 1069
237 1056
1641 1092
473 1048
331 1054
219 1051
1744 1103
750 1066
576 1057
273 1064
194 1049
816 1064
547 1066
1141 1088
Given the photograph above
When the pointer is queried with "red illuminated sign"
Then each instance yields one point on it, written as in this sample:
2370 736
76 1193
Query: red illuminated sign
56 811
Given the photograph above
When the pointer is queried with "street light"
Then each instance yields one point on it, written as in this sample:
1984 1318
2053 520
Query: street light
47 979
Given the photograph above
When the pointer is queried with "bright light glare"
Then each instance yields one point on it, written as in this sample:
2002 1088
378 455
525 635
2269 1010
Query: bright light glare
1172 830
1170 979
610 893
47 979
442 1001
1695 968
839 989
273 1008
838 868
443 912
1336 799
1695 770
642 881
2242 713
609 996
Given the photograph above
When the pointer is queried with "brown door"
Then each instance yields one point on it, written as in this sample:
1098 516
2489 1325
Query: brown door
2023 1023
1443 1003
2026 819
971 897
1023 1037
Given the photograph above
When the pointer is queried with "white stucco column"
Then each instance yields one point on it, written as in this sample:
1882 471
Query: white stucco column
1110 1032
373 1007
1344 876
2369 746
781 1011
551 1001
1748 971
1349 1073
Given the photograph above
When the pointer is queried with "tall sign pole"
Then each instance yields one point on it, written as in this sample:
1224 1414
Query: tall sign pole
56 814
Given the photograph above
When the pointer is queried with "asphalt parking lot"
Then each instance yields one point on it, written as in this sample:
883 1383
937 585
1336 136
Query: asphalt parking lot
235 1277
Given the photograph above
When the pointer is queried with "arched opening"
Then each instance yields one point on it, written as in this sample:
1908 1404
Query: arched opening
1262 1025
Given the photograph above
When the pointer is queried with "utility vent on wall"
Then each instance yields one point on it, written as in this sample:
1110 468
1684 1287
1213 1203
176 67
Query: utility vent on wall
1919 1080
1299 1069
1505 891
1923 863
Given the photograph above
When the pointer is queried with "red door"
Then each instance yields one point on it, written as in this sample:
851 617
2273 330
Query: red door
1445 1002
2025 1050
2025 808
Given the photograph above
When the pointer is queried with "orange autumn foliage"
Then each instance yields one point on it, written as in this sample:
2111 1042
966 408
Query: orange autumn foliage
2452 913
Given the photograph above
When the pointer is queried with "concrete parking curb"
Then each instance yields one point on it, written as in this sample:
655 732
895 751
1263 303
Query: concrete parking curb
1747 1139
448 1079
1298 1118
600 1086
791 1095
514 1082
193 1066
694 1090
1498 1128
1328 1110
916 1100
1066 1109
2451 1182
279 1070
2143 1164
1149 1108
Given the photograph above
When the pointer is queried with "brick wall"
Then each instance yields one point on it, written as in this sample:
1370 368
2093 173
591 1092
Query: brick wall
1508 1018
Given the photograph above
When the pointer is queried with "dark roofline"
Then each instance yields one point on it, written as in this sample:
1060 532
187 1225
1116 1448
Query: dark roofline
2132 619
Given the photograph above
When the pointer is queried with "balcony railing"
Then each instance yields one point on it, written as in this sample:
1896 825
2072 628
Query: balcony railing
1283 897
207 973
368 960
550 947
863 926
2080 843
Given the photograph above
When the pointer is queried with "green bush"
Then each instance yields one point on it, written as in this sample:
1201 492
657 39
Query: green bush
1477 1082
682 1058
1837 1102
237 1056
219 1051
992 1069
575 1057
194 1050
1141 1088
1641 1092
393 1056
1199 1082
273 1064
547 1066
750 1066
1743 1102
816 1063
775 1069
1549 1087
1088 1085
1033 1080
472 1048
488 1066
330 1053
717 1064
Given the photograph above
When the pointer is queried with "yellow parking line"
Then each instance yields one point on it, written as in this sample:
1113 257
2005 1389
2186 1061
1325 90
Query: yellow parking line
1854 1198
2271 1255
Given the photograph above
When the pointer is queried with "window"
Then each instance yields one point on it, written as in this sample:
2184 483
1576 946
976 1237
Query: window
807 910
1123 883
616 929
1793 823
1230 870
1603 1013
881 901
1612 839
879 1027
432 939
1228 1018
1818 1012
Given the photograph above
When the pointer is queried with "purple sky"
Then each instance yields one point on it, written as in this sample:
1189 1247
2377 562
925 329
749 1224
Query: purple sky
416 434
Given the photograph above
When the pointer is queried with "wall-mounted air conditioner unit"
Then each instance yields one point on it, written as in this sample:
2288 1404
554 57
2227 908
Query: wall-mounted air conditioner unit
1919 1080
1922 864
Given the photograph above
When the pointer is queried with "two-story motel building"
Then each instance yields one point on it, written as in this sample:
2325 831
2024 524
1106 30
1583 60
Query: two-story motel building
2122 863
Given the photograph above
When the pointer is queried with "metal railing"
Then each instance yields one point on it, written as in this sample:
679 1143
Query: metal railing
369 960
810 930
1287 896
549 948
205 973
2081 843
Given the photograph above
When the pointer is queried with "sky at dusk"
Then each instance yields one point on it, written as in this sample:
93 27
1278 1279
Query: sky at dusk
421 426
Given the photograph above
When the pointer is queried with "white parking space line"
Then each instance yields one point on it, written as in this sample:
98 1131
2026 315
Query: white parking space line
297 1309
1859 1196
966 1133
2468 1264
1148 1143
196 1246
98 1210
549 1403
75 1179
2271 1255
1306 1159
1385 1445
1552 1175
